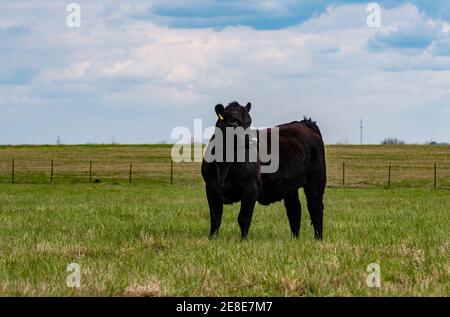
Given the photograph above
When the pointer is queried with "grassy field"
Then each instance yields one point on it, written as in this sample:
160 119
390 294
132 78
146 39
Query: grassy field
365 166
150 238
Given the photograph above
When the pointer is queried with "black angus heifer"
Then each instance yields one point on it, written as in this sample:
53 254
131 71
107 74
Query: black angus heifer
301 164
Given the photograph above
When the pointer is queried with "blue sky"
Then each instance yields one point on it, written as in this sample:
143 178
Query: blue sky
134 71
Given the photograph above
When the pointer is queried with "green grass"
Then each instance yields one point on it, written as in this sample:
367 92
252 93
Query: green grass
151 239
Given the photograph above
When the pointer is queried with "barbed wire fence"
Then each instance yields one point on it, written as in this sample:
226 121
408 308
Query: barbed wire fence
346 173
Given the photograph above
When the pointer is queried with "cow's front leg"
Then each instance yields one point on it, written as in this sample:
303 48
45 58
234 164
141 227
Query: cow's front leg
245 216
215 210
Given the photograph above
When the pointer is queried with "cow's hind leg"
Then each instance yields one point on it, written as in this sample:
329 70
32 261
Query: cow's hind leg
294 212
245 216
215 211
314 196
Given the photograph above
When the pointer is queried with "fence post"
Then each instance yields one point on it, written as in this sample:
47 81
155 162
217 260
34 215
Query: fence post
343 173
90 171
51 172
171 171
12 171
389 176
435 175
131 168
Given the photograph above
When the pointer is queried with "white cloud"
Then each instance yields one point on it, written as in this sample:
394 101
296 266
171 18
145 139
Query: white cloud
74 71
321 68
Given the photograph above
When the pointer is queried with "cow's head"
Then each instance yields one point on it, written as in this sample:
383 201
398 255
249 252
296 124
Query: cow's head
234 115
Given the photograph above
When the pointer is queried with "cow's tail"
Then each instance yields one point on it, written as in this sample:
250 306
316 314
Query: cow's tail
312 125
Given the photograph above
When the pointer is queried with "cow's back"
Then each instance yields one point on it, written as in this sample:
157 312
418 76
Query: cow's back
300 150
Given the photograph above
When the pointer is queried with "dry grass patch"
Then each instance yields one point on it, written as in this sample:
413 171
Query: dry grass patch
150 289
295 287
156 244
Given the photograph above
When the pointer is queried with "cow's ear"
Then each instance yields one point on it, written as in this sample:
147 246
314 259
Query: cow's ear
220 111
248 106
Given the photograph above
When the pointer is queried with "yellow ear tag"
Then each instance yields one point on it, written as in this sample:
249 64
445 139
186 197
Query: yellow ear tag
220 117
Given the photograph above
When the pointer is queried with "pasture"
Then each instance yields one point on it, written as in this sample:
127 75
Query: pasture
150 237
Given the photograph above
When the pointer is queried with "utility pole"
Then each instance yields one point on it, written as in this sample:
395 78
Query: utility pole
360 131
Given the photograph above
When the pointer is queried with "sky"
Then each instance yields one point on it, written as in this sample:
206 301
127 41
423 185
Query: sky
135 70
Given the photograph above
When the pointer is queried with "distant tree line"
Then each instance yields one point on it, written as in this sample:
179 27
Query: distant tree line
392 141
398 141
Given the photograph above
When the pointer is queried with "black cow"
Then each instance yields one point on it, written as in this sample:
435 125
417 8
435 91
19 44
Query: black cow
301 164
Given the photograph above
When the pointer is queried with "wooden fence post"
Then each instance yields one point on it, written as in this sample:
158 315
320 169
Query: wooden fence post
389 176
343 173
131 168
435 175
171 171
12 171
90 171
